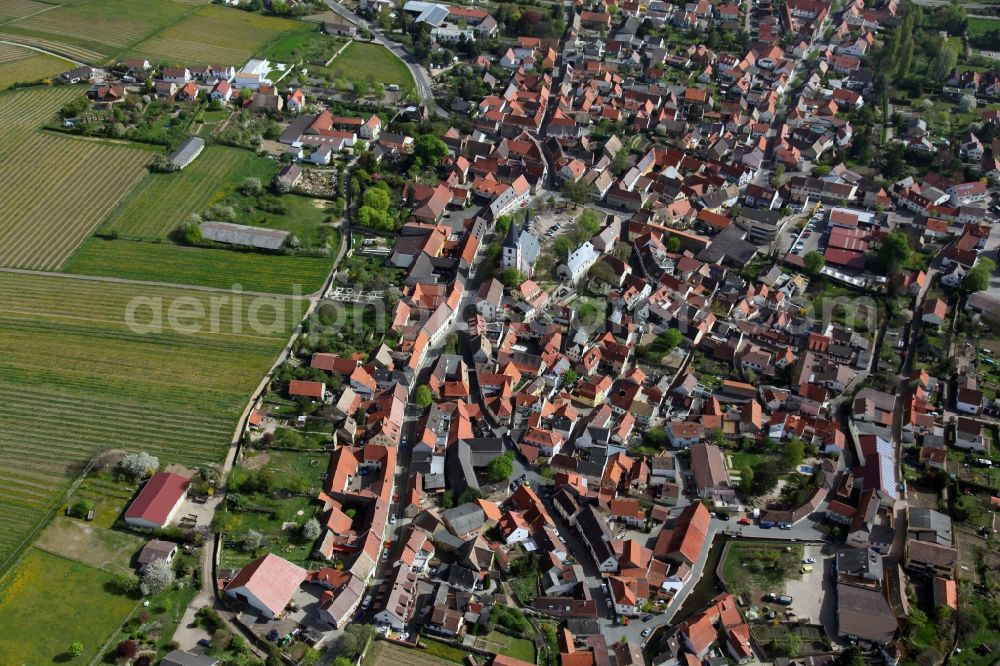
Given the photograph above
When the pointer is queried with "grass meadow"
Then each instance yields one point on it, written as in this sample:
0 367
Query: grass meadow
164 201
165 262
49 602
373 63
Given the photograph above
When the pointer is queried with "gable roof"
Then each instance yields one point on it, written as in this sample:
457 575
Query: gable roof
271 579
158 498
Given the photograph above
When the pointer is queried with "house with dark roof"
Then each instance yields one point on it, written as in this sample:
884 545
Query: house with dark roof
593 529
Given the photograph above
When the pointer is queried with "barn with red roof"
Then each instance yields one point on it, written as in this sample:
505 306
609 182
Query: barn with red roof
155 505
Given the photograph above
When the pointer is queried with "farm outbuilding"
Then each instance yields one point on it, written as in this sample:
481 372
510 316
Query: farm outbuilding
158 501
243 235
188 151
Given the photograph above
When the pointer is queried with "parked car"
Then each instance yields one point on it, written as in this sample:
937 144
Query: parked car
646 632
745 521
809 560
647 617
608 601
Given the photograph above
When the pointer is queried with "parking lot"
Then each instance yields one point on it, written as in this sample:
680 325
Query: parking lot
819 608
547 225
812 237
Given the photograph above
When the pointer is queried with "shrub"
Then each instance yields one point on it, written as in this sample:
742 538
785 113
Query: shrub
81 509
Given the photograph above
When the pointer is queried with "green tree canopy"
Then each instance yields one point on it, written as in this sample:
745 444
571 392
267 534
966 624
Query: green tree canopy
500 468
978 279
671 338
430 149
423 396
377 198
943 63
814 262
793 454
895 251
511 277
578 191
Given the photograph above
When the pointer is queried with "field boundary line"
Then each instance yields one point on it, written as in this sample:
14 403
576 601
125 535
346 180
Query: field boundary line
18 552
147 283
339 51
14 19
42 51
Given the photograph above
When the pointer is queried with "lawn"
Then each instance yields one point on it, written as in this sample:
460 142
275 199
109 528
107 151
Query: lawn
54 190
222 269
90 544
48 603
109 496
214 34
443 650
77 379
20 65
377 63
518 648
306 45
761 567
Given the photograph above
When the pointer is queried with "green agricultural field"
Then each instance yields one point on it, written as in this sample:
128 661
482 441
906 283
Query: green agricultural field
214 34
373 63
164 201
21 65
54 190
32 633
107 27
165 262
14 9
76 379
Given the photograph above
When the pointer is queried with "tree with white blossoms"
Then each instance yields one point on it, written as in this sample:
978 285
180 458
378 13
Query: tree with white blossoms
252 541
157 577
139 465
311 530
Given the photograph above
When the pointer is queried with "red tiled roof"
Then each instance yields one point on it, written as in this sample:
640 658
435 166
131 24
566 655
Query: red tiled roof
158 498
271 579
